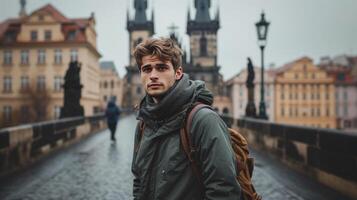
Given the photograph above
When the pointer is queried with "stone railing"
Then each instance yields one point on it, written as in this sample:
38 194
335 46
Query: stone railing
21 145
329 156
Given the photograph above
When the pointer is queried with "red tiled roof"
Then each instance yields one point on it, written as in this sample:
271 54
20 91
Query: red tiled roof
53 11
291 64
75 24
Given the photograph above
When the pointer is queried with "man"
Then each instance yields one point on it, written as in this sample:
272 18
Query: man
112 113
160 166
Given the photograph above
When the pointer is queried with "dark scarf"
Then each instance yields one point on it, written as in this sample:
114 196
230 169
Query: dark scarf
183 94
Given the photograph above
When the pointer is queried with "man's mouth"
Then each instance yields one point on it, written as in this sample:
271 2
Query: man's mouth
154 85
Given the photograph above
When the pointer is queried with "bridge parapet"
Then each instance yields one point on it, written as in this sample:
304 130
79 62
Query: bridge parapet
21 145
329 156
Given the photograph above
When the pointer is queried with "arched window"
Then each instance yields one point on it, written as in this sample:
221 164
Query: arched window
225 110
138 41
203 46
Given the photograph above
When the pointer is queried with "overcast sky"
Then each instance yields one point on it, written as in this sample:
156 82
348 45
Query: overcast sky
298 28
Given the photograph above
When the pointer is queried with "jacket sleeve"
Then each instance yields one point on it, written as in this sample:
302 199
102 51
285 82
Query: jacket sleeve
136 181
215 156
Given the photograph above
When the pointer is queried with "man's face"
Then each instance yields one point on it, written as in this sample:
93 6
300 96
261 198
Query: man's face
158 76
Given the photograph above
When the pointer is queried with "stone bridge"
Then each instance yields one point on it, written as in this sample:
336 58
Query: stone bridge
75 159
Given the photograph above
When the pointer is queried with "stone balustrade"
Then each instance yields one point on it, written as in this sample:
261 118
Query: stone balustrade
22 145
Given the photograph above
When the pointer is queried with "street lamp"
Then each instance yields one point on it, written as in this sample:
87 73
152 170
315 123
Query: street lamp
262 30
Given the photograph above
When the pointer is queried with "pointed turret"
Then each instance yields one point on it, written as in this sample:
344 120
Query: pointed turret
23 8
140 21
140 10
202 10
202 21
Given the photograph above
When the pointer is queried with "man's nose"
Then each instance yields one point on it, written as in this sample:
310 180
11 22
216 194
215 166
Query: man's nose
154 74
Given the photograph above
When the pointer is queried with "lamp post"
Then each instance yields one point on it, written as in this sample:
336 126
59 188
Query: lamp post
262 30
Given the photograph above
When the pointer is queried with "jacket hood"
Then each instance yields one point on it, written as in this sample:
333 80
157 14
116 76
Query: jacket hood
183 94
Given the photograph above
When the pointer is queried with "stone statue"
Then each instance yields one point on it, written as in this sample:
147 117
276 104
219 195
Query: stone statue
251 75
72 92
250 110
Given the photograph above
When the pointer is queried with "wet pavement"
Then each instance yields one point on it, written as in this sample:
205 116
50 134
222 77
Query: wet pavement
97 168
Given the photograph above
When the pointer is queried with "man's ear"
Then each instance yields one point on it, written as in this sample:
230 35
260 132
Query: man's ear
178 73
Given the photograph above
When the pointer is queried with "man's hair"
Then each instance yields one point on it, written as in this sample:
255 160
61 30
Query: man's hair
165 49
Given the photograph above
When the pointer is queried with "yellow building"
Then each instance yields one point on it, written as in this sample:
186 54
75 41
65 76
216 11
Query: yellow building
304 95
111 86
35 51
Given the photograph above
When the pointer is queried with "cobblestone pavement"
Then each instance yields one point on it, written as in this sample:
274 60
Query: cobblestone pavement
96 168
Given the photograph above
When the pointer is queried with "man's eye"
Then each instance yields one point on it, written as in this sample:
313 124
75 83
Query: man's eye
146 69
161 68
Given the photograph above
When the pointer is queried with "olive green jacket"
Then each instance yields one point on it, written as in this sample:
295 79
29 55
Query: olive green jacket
161 167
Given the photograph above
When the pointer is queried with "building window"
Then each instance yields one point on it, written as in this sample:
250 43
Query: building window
57 83
203 46
41 18
41 83
105 98
7 84
74 55
7 113
112 84
58 56
105 84
41 57
318 112
24 57
57 112
296 76
71 35
10 36
312 112
241 90
296 111
24 83
327 112
345 95
24 113
282 111
313 76
345 110
7 57
48 35
33 35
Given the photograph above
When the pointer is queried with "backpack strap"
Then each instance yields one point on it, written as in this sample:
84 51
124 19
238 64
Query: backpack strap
186 138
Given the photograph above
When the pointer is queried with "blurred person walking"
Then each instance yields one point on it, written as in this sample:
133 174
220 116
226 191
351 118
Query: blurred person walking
112 113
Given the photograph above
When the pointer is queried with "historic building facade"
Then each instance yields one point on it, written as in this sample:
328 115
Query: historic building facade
304 95
238 92
341 68
111 87
35 53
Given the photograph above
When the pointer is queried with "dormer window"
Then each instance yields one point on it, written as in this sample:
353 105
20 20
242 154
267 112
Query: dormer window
10 36
41 18
33 35
71 35
48 35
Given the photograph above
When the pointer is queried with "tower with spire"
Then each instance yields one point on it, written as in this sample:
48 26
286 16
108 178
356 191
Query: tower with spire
23 9
202 31
140 28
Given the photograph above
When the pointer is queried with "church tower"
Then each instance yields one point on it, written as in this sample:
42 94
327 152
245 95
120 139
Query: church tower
202 31
140 28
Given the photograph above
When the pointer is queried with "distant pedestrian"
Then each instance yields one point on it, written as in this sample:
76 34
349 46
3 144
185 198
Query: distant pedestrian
112 113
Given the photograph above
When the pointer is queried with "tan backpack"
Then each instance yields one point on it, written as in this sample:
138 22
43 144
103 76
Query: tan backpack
245 164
